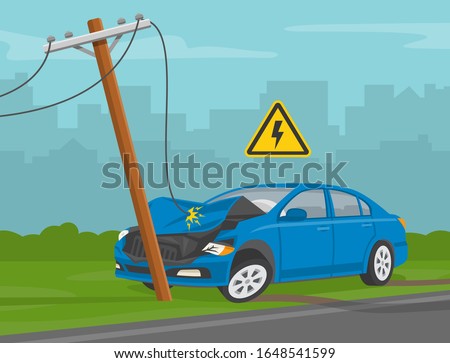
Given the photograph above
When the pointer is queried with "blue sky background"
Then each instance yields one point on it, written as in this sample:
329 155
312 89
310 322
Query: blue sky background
222 54
235 57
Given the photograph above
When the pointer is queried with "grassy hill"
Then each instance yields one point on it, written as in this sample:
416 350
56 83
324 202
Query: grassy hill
62 278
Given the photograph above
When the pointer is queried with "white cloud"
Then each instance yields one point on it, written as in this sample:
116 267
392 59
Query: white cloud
151 48
22 47
25 47
431 35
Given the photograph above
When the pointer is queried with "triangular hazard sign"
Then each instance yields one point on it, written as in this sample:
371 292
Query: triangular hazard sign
278 136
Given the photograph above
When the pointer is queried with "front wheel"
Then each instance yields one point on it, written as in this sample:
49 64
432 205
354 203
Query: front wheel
381 265
247 280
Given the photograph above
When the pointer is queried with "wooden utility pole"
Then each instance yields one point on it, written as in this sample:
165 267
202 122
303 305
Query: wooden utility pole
130 163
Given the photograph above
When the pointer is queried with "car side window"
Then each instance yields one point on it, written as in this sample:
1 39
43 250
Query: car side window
312 201
365 208
344 204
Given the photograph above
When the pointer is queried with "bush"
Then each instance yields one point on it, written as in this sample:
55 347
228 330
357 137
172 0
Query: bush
430 247
66 243
58 243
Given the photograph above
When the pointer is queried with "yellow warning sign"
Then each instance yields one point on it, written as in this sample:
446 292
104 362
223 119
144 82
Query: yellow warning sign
278 136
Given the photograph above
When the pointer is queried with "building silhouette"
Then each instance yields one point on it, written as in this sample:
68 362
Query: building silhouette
395 145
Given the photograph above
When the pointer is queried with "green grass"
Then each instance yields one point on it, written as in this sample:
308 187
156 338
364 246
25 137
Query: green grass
38 296
423 270
64 279
351 288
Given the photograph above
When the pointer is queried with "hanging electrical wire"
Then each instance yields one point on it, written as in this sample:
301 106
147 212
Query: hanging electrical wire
166 122
83 91
34 74
166 118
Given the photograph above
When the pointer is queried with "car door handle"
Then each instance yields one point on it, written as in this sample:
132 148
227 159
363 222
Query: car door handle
323 229
366 225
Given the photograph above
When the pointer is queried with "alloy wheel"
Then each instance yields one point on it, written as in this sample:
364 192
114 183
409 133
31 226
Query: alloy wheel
382 263
247 281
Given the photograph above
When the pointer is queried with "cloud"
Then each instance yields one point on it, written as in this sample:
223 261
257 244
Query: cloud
431 35
25 47
177 48
22 47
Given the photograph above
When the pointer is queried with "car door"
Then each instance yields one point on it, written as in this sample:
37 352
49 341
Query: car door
306 245
353 231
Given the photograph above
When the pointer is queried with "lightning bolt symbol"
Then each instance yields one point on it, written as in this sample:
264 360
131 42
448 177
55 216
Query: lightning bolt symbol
276 133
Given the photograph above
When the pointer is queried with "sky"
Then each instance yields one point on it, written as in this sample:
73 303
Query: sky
222 54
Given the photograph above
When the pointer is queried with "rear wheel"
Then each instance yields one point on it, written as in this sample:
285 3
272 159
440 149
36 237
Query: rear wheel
247 280
151 286
381 265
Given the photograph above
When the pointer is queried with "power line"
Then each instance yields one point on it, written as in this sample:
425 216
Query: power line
166 122
102 53
34 75
82 92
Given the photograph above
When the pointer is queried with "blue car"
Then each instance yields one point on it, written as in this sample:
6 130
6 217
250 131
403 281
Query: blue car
245 239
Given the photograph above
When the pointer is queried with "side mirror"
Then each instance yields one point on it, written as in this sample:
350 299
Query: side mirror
295 214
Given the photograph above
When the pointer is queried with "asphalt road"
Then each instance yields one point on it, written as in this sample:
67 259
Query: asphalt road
412 318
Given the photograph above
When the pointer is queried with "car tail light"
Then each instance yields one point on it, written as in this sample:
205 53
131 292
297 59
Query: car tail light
402 221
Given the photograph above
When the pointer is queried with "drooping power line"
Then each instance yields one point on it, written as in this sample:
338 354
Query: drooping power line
34 74
81 92
166 118
166 122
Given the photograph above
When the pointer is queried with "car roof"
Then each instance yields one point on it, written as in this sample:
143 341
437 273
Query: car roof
305 186
288 186
291 186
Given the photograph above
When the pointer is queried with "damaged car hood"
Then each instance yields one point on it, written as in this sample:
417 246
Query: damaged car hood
200 217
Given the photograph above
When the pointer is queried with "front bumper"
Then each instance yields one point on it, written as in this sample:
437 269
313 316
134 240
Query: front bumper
214 269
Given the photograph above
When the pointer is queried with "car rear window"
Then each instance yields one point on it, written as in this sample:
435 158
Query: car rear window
344 204
365 208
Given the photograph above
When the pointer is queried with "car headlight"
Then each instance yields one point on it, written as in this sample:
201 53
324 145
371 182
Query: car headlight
218 249
123 234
